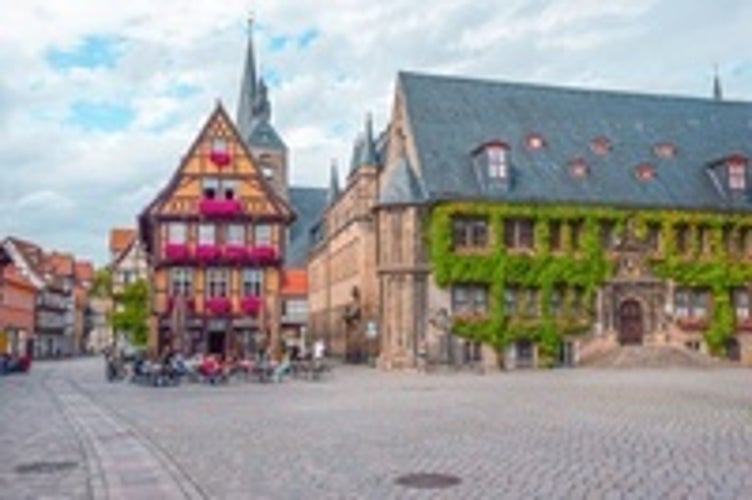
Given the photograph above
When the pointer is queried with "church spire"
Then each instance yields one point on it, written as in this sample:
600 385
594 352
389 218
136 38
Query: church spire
248 89
369 147
717 91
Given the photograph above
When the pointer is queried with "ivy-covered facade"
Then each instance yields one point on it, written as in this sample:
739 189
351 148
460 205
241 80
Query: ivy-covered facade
536 225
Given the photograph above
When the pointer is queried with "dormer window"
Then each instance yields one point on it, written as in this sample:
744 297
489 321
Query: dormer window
600 146
534 142
645 172
737 173
664 150
578 169
496 155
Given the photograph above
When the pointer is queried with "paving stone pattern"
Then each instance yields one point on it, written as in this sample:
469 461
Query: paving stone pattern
586 433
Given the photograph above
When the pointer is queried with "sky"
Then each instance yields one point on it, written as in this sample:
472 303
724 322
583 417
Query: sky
100 99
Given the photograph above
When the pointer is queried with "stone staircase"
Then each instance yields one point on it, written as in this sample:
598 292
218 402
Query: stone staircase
652 357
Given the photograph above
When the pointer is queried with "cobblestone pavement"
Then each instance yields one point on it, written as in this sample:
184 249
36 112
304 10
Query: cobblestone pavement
586 433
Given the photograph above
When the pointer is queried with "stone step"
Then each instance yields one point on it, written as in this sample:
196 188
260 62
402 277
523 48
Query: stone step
652 357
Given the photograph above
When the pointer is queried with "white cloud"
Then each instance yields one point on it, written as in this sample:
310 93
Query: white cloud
325 89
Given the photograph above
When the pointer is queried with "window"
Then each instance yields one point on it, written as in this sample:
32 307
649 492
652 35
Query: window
600 146
737 175
682 238
609 237
578 301
253 280
219 145
530 301
691 303
653 237
267 171
210 187
577 227
645 172
181 281
295 308
469 299
703 235
470 232
177 232
218 282
557 302
534 141
207 234
497 162
578 169
741 303
219 188
229 187
511 300
554 235
518 233
664 150
262 234
235 234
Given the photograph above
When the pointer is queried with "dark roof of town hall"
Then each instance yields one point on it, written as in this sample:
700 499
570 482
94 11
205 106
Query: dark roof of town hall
309 203
451 117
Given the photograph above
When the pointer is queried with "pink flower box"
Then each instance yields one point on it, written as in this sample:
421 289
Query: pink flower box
220 208
263 254
220 158
251 305
219 305
234 252
177 251
207 253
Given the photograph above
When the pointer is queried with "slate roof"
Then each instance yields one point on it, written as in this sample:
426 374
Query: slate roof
450 117
264 135
308 203
402 186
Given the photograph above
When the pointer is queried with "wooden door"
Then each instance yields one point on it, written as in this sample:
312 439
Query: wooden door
630 321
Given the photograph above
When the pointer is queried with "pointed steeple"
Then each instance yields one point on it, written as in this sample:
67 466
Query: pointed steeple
369 156
333 192
262 108
248 89
717 91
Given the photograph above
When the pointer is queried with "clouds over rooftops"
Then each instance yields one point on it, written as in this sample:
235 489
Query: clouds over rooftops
104 101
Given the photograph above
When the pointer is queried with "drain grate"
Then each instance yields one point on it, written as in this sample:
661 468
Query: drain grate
44 467
427 480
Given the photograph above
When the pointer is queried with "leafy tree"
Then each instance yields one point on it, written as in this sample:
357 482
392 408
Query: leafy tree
132 312
102 286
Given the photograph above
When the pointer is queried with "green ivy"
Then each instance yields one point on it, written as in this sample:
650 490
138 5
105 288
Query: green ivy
586 266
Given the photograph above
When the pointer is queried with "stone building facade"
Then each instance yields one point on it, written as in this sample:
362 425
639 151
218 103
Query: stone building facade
343 290
521 225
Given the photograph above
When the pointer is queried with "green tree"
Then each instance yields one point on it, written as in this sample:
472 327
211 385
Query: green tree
132 312
102 286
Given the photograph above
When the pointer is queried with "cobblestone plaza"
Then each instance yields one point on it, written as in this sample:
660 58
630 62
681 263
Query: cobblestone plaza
671 433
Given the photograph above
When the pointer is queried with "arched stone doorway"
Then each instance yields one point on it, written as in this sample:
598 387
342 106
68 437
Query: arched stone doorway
630 322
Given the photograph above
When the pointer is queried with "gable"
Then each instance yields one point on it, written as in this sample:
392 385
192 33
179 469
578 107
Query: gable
218 154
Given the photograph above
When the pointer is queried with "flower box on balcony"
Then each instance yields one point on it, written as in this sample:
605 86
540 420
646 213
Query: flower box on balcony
263 254
744 324
693 324
251 305
177 252
220 158
220 208
235 253
219 305
207 253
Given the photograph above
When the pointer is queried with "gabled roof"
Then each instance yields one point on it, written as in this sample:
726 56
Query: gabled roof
402 187
120 239
309 203
84 271
12 275
219 113
62 264
449 117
